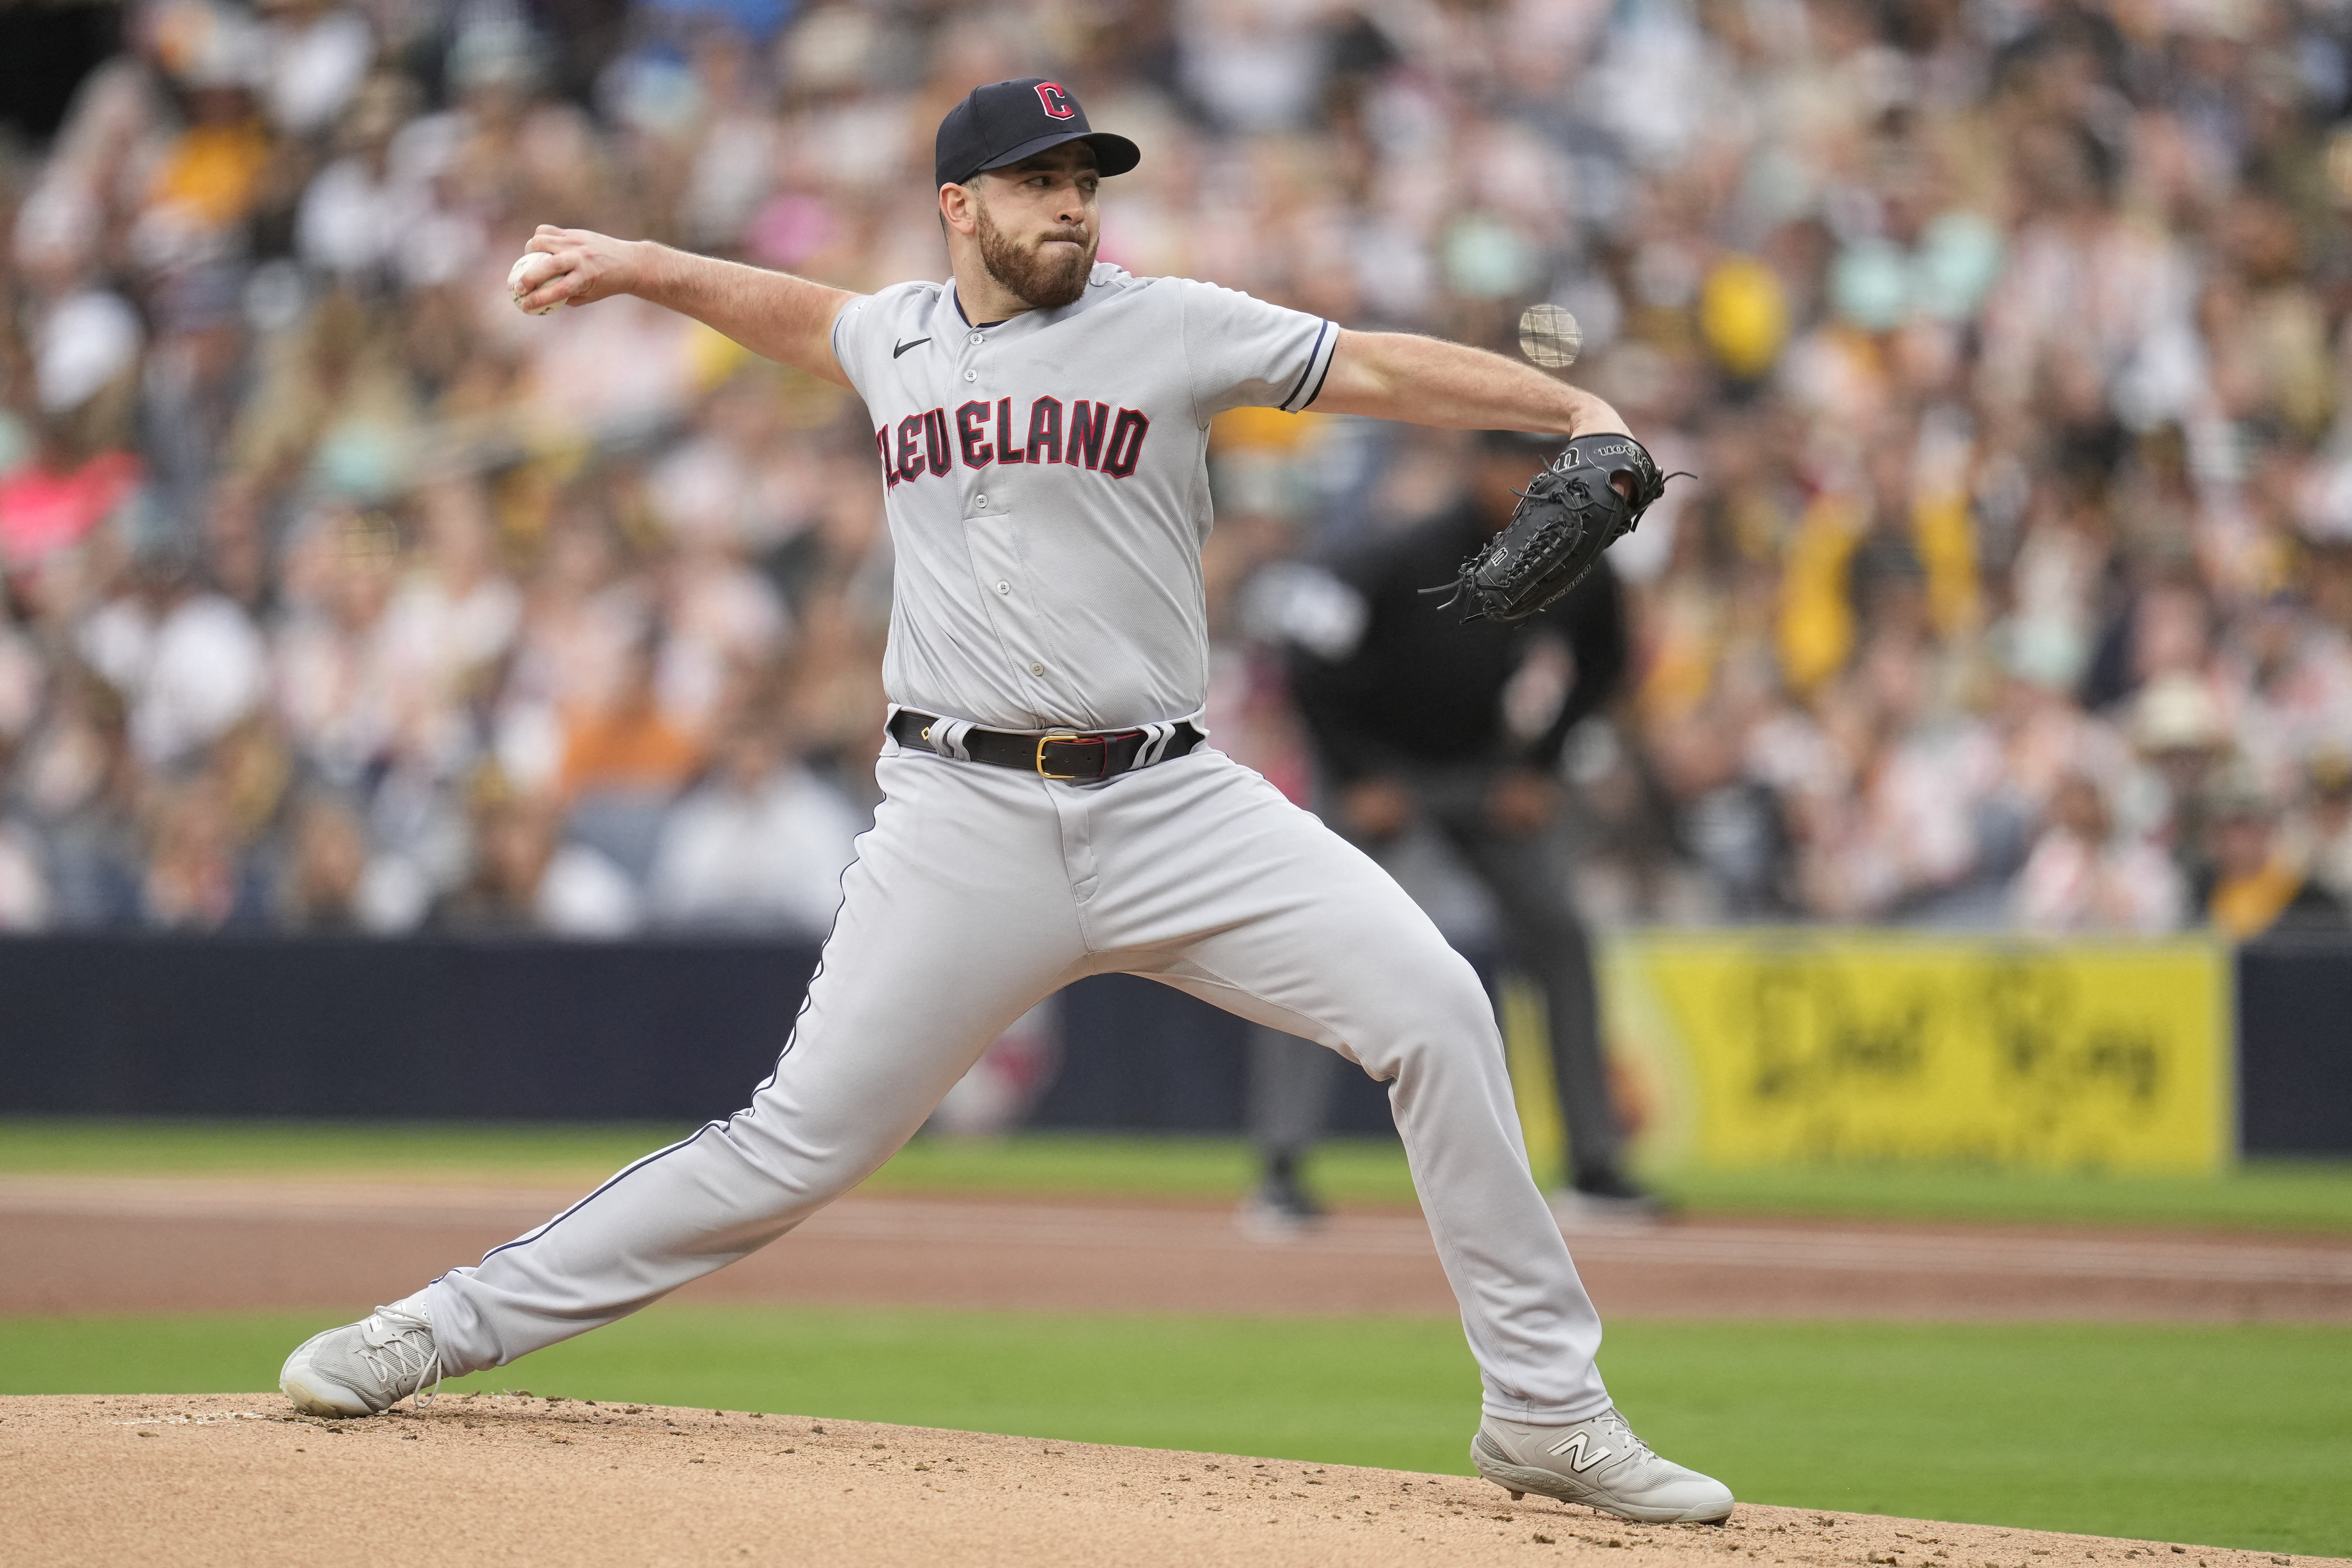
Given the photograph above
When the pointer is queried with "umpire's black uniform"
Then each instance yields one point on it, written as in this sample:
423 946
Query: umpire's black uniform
1417 701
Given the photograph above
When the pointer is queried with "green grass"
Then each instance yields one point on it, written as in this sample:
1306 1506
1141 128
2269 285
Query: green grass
2280 1195
2262 1194
2236 1436
405 1151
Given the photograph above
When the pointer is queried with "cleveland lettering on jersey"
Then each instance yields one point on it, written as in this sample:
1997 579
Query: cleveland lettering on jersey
920 444
1089 423
1126 444
1046 430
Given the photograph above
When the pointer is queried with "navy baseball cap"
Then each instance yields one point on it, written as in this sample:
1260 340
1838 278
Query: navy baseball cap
1007 121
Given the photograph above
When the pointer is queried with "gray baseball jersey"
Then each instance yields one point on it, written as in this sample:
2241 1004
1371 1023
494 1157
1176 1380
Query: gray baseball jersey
1047 485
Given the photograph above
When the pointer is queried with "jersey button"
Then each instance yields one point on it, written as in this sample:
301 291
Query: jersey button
1036 670
1004 588
972 376
978 338
980 502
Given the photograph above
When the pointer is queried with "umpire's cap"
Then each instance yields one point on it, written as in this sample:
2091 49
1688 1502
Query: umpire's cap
1007 121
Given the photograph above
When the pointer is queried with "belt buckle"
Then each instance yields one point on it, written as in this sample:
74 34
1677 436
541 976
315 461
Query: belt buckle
1071 739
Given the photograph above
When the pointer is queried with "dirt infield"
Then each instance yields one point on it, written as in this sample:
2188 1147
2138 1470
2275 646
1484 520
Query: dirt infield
80 1245
235 1479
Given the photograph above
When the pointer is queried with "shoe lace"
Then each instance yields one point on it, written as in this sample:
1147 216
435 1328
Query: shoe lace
1617 1423
410 1354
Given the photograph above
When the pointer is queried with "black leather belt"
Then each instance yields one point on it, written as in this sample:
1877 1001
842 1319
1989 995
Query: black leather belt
1062 754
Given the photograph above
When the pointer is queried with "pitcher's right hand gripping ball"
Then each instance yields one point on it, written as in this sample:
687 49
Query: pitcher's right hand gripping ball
526 278
1567 516
569 267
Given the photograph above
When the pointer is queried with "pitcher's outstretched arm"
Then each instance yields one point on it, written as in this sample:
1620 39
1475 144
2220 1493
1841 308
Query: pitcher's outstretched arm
774 314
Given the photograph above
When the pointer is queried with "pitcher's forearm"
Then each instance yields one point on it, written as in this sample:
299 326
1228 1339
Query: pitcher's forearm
1428 380
773 314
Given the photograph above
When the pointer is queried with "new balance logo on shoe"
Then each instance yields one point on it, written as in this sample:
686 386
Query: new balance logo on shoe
1577 1451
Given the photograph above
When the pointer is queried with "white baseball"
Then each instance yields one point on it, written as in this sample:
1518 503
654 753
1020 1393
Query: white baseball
1549 336
527 274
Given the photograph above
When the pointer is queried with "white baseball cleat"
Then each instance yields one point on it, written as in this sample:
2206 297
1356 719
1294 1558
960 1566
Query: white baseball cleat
365 1367
1600 1464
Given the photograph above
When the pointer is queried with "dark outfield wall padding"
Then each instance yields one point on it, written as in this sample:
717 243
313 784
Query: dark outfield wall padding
524 1029
1136 1054
2294 1046
421 1028
228 1026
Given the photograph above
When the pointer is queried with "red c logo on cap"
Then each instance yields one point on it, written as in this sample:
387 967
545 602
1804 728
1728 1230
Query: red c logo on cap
1057 102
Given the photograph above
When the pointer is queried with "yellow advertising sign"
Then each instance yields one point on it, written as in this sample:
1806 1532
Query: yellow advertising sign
1785 1047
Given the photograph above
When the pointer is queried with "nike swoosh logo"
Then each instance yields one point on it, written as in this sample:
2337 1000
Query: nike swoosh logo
902 348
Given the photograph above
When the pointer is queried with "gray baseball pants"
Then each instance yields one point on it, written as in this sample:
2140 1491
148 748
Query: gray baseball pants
1290 1082
980 891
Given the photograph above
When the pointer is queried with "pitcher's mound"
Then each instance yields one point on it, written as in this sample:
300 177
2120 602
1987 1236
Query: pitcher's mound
238 1479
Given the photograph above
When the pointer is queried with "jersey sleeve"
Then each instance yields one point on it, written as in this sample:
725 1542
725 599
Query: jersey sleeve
853 331
1246 354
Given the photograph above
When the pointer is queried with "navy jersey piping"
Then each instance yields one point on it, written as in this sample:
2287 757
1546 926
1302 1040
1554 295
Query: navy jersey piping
1321 379
1308 369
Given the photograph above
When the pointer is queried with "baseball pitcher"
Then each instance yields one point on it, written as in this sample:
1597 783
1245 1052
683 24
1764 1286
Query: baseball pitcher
1052 807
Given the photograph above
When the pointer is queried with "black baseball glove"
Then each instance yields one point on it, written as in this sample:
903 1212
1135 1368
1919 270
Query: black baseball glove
1566 517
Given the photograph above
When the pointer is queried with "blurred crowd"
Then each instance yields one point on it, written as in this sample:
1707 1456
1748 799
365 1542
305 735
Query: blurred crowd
2006 341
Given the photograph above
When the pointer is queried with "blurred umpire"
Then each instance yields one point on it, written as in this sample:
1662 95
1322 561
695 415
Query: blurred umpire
1405 707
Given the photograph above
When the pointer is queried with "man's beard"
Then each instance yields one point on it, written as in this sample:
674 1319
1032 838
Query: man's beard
1039 279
